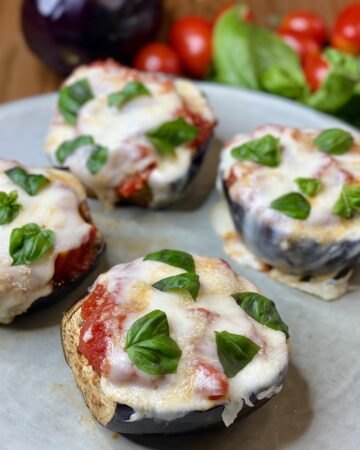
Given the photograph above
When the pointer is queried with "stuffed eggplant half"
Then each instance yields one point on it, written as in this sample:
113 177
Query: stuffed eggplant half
130 137
294 196
47 240
174 343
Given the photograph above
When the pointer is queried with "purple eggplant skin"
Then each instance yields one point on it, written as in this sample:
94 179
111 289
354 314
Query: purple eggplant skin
59 293
67 33
304 257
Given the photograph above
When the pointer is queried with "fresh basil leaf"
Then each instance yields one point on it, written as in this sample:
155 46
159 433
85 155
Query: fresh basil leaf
97 159
234 351
265 151
174 258
293 205
348 203
9 208
339 83
29 243
31 184
72 98
187 281
334 141
262 309
253 57
149 345
130 91
309 186
67 148
172 134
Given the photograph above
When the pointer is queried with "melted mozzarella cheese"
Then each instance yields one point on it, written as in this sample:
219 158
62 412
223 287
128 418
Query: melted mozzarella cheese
122 131
256 186
55 207
192 325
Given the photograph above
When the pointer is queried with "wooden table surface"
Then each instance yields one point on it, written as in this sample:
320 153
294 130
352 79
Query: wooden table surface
22 74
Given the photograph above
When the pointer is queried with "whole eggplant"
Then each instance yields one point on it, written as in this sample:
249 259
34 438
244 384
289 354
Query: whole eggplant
66 33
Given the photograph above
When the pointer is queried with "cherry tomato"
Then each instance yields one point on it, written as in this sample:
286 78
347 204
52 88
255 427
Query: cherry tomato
158 57
245 12
304 45
315 69
346 33
306 23
191 39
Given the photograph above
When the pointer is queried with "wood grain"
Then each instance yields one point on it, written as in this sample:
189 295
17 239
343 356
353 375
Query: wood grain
22 74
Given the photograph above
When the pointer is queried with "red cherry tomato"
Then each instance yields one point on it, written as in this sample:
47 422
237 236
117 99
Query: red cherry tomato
306 23
158 57
191 39
245 11
346 33
304 45
315 69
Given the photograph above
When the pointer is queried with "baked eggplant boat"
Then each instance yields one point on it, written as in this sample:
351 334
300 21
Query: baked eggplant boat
294 196
48 242
130 137
174 343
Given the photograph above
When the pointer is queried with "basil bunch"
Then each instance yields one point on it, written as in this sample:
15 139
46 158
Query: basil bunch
265 151
30 183
29 243
130 91
348 202
150 346
72 98
9 208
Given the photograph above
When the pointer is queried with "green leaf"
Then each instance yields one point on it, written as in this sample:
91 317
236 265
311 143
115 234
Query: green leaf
309 186
293 205
234 351
149 345
130 91
339 84
253 57
174 258
172 134
265 151
72 98
348 202
29 243
262 309
97 159
9 208
67 148
31 184
334 141
187 281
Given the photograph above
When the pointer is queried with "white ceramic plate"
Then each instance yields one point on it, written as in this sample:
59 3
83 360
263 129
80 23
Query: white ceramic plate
40 406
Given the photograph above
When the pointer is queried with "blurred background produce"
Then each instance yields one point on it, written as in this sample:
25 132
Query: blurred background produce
307 51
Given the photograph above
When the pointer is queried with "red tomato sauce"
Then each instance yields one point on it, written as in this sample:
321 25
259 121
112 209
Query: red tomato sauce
212 383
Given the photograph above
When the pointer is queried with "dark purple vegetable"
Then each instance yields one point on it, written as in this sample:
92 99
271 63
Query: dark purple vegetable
66 33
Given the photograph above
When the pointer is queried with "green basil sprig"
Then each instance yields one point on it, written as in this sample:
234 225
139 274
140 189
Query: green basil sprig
130 91
29 243
175 258
150 346
348 202
293 205
309 186
9 208
265 151
234 351
187 281
97 159
69 147
72 98
262 309
334 141
172 134
31 184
